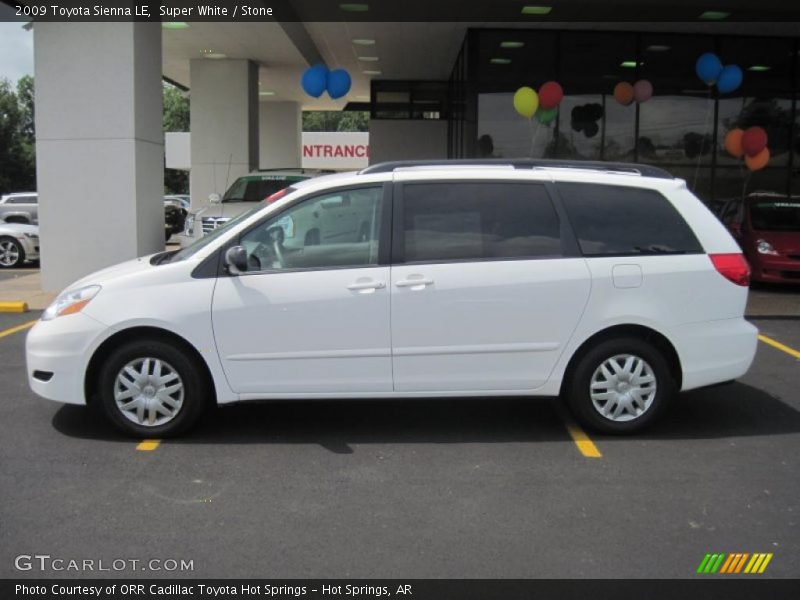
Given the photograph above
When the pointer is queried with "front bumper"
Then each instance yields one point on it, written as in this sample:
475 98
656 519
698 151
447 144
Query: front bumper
57 352
775 269
30 246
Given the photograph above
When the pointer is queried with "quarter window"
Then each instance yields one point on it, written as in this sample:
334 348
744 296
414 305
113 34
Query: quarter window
614 220
474 221
339 229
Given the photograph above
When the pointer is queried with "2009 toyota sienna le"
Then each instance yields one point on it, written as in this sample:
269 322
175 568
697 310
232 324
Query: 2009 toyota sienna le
610 285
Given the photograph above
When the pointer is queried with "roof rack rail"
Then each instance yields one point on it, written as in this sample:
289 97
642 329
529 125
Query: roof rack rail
525 163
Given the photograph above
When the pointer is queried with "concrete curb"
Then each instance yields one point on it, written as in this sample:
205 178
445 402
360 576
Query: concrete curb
13 307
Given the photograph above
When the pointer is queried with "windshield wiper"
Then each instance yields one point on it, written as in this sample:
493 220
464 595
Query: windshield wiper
161 258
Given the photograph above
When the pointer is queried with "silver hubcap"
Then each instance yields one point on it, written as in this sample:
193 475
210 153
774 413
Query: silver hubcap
9 253
623 388
148 391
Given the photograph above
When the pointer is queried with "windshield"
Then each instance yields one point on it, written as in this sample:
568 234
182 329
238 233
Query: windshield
255 189
775 215
207 239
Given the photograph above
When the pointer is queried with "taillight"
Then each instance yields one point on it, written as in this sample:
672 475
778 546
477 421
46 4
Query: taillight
276 196
733 267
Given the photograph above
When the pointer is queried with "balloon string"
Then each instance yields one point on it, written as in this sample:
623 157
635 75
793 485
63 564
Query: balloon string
709 107
534 135
530 133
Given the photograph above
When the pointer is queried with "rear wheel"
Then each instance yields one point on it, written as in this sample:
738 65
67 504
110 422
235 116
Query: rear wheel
150 388
620 386
11 253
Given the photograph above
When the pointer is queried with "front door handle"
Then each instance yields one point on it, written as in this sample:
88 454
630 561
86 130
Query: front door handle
368 285
414 282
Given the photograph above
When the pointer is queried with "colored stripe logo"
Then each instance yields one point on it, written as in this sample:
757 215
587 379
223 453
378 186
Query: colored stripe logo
735 562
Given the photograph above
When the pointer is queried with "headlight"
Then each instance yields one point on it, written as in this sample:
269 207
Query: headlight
764 247
32 236
70 302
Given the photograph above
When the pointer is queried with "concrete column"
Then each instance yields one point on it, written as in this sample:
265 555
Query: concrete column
224 124
99 146
280 127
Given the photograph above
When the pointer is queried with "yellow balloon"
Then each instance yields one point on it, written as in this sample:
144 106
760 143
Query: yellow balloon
526 101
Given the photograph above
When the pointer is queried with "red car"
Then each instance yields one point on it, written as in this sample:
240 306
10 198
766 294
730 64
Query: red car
767 227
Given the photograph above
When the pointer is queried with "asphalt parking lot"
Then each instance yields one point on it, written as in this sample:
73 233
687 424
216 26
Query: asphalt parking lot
479 488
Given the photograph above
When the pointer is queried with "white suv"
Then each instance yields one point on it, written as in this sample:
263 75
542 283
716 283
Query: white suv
610 285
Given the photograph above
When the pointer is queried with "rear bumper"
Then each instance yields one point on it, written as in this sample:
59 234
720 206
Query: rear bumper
715 351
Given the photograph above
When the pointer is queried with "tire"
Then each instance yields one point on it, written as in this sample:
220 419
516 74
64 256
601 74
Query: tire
632 401
176 366
12 254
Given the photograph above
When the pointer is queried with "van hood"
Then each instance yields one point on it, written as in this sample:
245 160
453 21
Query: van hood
122 269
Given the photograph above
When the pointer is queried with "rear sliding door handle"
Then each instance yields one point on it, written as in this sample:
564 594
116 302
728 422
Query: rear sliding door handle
417 282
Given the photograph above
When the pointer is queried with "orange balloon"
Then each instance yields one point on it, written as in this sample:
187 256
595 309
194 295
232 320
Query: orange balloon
757 162
733 143
623 93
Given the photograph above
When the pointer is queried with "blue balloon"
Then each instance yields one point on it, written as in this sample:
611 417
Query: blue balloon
730 79
315 80
708 67
338 83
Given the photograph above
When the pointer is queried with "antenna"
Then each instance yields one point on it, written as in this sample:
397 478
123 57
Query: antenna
228 174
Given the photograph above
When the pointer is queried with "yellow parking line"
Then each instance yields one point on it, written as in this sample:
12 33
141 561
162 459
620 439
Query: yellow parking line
148 445
782 347
582 441
6 332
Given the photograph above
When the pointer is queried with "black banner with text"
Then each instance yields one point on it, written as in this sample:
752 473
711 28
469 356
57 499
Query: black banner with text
410 589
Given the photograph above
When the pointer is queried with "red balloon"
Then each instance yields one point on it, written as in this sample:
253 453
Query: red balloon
754 140
550 95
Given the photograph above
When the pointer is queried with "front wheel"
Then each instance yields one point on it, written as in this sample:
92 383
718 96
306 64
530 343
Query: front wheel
150 388
11 253
620 386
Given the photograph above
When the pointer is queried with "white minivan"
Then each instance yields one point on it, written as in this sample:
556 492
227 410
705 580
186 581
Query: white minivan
609 285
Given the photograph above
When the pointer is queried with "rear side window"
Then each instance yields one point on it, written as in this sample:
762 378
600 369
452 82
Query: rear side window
464 221
615 220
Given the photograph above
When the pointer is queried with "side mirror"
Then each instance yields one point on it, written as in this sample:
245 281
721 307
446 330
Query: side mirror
236 260
735 229
214 198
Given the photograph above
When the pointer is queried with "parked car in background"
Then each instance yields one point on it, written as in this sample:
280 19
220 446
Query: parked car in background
21 207
19 242
767 227
174 216
182 200
245 193
526 278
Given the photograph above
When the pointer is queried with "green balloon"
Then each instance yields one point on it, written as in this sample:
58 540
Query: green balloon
546 115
